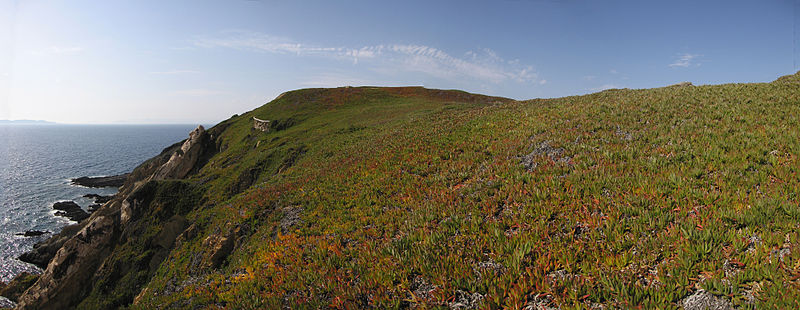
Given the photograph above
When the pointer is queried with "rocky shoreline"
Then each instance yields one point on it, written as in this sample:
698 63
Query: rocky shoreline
81 254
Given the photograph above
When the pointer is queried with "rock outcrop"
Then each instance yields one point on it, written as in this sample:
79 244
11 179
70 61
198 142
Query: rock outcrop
184 160
70 210
32 233
74 263
682 84
261 124
108 181
44 251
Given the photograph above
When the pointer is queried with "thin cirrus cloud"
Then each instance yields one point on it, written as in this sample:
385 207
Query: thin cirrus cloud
484 65
175 72
198 92
685 60
59 50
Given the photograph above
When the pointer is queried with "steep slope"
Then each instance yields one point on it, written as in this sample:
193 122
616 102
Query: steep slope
398 197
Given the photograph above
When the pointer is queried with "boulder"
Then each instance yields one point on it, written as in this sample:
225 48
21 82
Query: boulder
70 210
32 233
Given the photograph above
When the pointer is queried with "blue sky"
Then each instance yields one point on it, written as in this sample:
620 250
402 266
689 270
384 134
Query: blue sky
202 61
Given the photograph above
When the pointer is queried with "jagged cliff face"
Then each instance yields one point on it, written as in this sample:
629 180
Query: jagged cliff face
83 262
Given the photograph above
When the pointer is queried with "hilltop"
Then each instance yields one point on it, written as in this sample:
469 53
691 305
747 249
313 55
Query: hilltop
362 197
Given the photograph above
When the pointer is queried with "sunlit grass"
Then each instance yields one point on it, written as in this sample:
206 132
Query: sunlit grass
409 196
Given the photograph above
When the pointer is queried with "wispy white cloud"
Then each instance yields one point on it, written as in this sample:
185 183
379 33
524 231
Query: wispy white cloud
685 60
197 92
484 65
174 72
58 50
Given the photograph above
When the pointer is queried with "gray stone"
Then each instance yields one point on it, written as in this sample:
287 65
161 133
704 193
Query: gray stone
703 300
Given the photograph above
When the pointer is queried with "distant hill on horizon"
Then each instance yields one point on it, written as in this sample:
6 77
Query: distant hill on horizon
26 122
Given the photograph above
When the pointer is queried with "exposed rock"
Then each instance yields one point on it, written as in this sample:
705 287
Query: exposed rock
623 135
218 246
44 251
183 160
291 217
18 285
107 181
544 149
70 210
74 263
5 303
753 242
489 268
261 124
188 234
32 233
682 84
421 289
558 276
465 300
173 228
93 207
541 302
703 300
99 198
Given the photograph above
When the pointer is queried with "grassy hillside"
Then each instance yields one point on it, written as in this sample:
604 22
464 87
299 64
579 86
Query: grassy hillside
398 197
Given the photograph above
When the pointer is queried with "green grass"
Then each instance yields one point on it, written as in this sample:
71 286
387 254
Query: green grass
397 187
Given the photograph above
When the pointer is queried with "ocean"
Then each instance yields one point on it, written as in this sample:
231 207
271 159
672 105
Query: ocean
38 161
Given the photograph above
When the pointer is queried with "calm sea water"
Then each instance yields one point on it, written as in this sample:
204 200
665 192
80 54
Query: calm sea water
37 162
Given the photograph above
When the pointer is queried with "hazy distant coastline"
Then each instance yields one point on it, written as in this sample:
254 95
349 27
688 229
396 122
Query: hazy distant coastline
26 122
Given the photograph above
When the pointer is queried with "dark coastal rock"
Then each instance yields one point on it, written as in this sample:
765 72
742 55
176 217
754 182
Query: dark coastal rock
44 251
32 233
70 210
93 207
5 303
109 181
18 285
99 198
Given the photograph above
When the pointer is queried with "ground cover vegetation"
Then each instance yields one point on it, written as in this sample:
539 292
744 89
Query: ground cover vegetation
409 197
